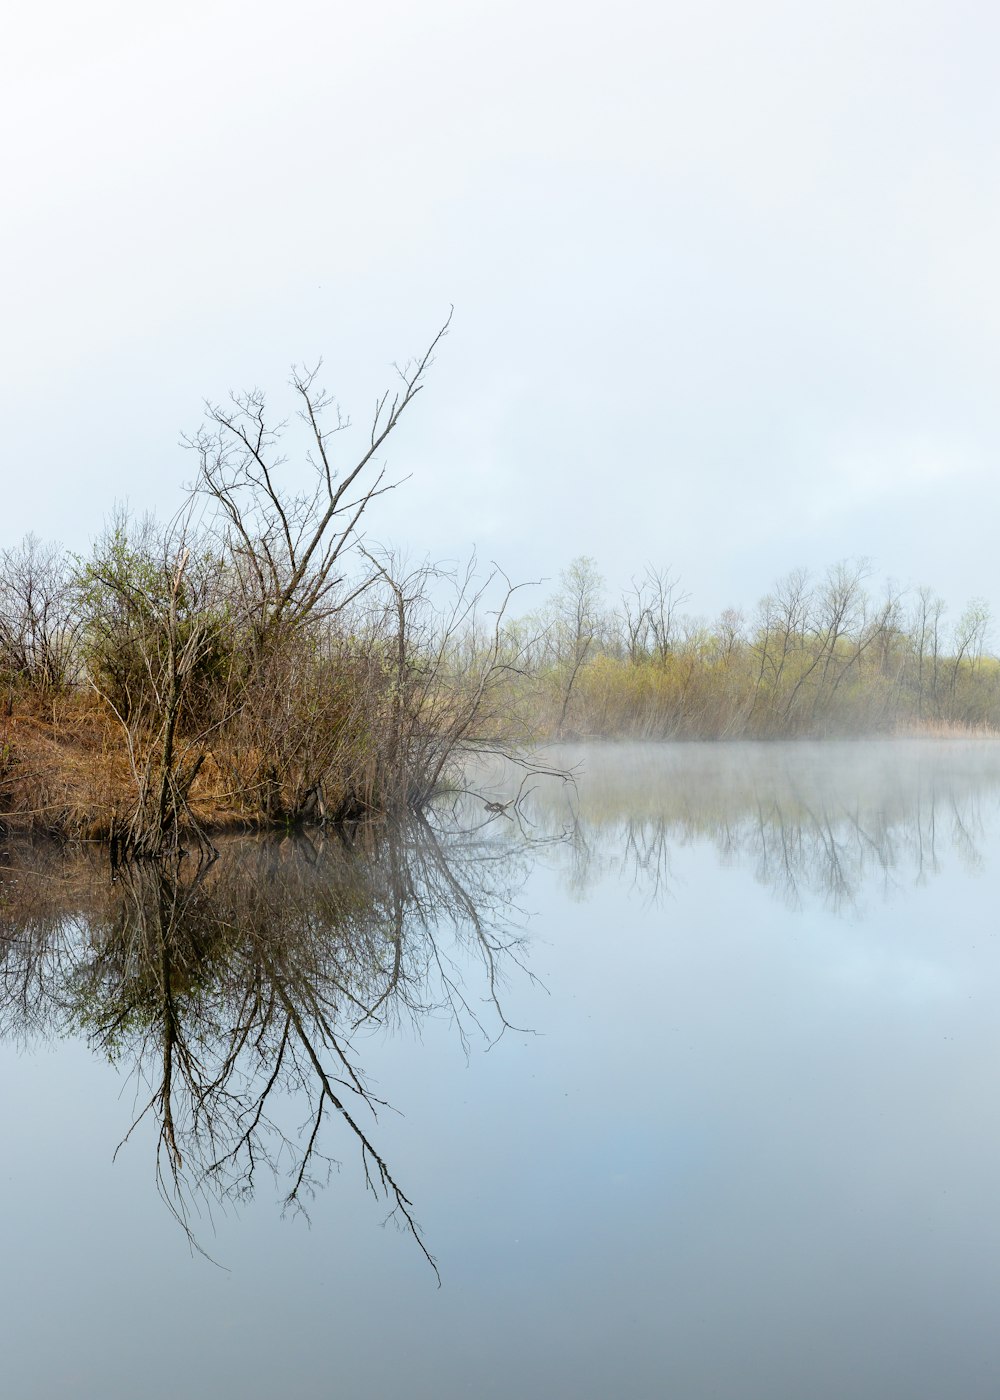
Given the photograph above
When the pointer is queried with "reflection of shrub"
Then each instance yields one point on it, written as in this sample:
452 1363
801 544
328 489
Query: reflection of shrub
234 984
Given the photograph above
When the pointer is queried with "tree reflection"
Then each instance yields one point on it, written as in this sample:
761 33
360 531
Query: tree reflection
812 823
234 988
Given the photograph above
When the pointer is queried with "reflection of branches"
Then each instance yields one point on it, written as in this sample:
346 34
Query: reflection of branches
233 989
965 828
811 823
646 856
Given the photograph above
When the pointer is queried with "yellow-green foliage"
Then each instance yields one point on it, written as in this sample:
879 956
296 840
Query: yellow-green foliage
700 691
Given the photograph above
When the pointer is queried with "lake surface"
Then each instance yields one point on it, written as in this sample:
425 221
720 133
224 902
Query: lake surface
689 1073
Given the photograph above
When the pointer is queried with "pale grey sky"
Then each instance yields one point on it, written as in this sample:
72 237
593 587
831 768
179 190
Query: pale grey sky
724 273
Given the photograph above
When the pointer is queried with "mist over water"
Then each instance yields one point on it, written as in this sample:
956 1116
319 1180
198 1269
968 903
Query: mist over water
828 821
686 1067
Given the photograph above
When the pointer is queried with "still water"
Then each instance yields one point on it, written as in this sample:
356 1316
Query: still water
681 1077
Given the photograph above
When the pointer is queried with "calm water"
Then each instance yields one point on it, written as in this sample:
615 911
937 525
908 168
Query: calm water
690 1076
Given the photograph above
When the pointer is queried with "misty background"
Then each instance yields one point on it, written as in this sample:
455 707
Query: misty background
724 276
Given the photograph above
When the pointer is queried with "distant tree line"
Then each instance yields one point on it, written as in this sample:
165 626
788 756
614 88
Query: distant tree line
819 656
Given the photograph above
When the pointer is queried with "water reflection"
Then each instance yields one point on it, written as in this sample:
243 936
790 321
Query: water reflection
235 990
814 822
738 1160
238 992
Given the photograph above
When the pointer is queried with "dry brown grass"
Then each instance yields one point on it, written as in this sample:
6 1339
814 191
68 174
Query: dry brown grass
68 774
946 729
65 771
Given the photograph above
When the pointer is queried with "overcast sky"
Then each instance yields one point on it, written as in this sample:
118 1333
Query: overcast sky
724 274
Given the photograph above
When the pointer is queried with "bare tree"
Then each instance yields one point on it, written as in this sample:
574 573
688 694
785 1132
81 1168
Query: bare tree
38 626
925 626
286 546
967 651
456 665
650 610
577 621
782 620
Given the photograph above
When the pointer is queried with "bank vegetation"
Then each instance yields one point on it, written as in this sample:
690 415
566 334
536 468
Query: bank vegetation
257 662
